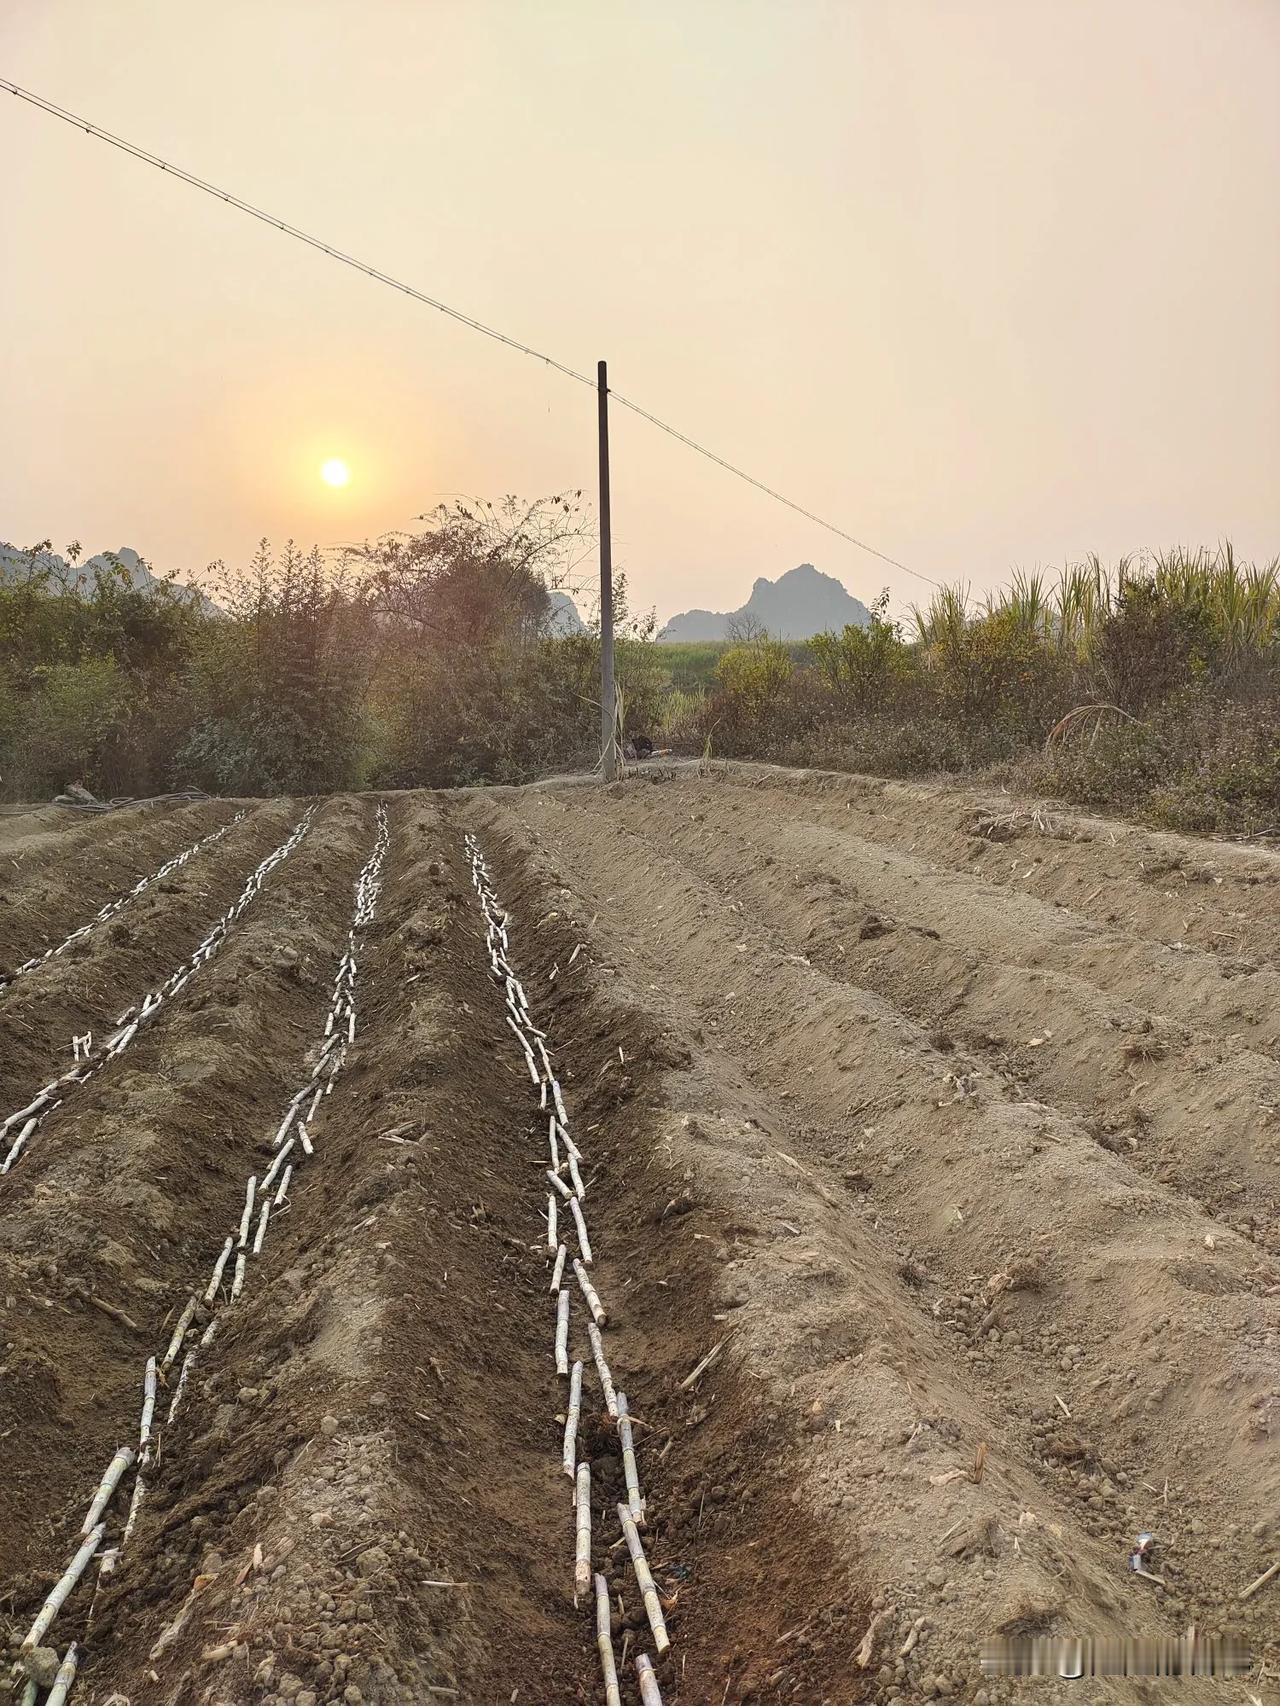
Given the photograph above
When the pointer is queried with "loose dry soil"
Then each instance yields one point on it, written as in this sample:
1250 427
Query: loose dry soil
954 1118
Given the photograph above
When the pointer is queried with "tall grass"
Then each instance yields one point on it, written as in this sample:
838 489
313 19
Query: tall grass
946 617
678 710
690 663
1239 602
1152 684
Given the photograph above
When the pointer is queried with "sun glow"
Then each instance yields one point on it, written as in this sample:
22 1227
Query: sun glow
335 472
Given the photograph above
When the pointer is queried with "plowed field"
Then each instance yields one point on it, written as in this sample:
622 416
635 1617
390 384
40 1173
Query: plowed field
945 1126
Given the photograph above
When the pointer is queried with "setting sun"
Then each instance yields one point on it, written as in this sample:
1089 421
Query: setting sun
335 472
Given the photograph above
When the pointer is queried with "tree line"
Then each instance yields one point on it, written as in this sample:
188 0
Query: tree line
429 658
436 658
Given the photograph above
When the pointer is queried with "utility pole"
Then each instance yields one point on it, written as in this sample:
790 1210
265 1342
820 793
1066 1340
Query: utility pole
608 696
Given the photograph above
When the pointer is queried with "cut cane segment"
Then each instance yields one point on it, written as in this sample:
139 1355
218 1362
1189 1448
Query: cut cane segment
604 1642
590 1293
644 1580
572 1414
650 1694
582 1532
602 1369
629 1470
562 1334
63 1586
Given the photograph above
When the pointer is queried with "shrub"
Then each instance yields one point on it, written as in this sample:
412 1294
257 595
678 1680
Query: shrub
755 674
753 681
430 658
72 725
1189 648
864 667
1197 762
1153 644
1000 671
274 695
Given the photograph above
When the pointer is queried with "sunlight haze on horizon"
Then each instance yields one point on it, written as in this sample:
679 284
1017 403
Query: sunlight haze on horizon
989 285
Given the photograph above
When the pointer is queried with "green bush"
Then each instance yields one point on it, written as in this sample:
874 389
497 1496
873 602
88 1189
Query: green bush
754 680
1154 643
72 725
1178 665
865 668
756 674
999 671
274 694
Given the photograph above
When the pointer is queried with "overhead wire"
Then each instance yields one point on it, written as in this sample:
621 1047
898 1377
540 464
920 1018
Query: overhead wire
283 225
674 432
148 158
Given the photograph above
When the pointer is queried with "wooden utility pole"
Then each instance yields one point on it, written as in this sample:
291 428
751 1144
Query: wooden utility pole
608 694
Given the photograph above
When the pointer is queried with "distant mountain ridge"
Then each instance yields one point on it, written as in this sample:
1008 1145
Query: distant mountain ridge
564 619
15 563
799 604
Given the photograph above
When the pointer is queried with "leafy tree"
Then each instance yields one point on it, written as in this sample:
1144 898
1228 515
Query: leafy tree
478 574
469 684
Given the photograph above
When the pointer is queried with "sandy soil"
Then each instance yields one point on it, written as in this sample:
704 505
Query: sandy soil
952 1119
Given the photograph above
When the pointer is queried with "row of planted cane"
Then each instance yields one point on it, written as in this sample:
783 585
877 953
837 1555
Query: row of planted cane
568 1188
292 1144
117 904
27 1121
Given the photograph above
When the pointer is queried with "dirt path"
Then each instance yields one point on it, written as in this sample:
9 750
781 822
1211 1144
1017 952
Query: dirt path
943 1139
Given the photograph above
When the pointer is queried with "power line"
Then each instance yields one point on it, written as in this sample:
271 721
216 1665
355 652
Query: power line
242 206
751 480
289 230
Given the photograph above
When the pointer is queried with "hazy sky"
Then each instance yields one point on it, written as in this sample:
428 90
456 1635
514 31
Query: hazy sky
986 282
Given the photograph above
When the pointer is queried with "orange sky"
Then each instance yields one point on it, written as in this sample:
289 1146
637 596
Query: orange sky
987 282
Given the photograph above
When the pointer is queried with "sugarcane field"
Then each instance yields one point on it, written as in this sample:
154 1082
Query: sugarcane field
737 1235
640 853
